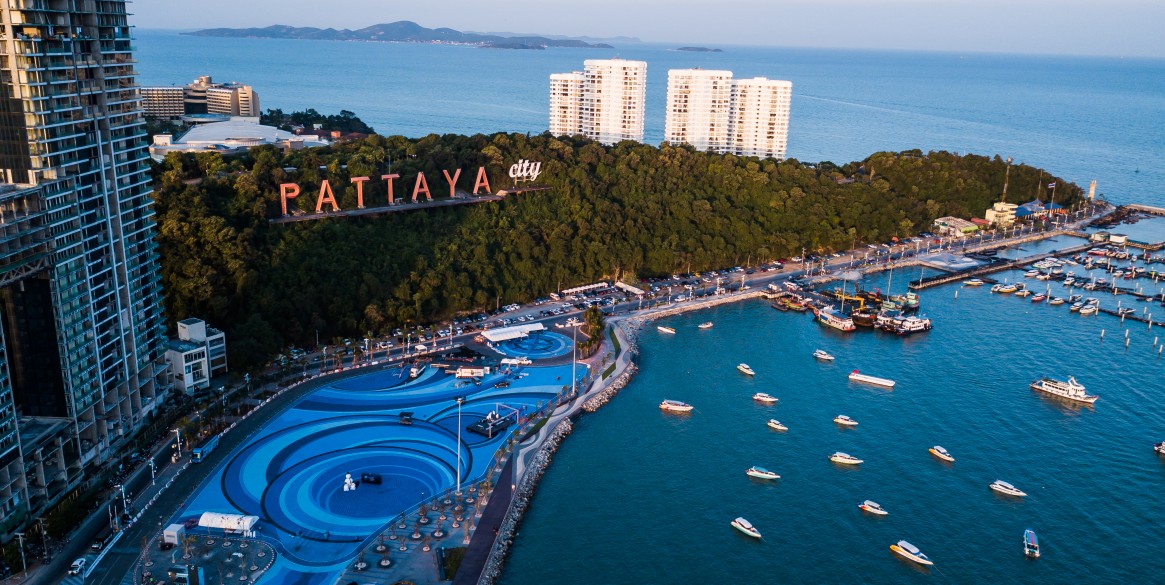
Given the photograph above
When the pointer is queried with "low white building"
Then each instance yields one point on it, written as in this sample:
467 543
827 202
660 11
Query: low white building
954 226
215 342
232 137
199 353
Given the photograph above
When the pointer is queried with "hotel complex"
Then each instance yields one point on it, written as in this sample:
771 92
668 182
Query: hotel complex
201 96
604 102
80 294
713 112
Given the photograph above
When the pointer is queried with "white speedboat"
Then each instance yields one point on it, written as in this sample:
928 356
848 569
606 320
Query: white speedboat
941 453
844 420
1087 310
1072 390
1031 273
675 406
997 288
761 473
1007 489
856 376
911 552
764 398
844 459
873 508
746 527
668 330
822 355
776 425
973 282
744 369
1075 308
1031 546
1158 447
707 325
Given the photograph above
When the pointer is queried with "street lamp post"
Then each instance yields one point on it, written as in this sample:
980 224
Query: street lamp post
178 435
153 471
460 399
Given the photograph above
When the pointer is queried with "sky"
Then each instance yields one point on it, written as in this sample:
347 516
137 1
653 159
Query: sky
1120 28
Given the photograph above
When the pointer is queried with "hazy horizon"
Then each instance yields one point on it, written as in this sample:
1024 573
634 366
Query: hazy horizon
1119 28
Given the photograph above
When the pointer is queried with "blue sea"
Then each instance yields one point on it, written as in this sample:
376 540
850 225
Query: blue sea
637 496
1082 118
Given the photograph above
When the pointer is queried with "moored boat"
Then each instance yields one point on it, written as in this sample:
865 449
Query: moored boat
1075 308
844 459
1007 289
764 397
911 552
909 325
675 406
864 318
1023 293
1055 301
761 473
973 282
1031 546
746 527
706 325
776 425
1071 390
1039 298
744 369
856 376
844 420
872 507
831 317
1006 489
1088 310
823 355
663 329
941 453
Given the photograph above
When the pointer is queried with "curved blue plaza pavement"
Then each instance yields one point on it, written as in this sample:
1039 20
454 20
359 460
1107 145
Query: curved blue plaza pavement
538 345
291 473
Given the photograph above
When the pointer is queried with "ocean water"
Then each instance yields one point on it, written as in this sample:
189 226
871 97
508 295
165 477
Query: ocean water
639 496
1082 118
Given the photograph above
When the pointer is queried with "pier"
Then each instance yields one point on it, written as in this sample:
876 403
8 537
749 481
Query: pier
994 267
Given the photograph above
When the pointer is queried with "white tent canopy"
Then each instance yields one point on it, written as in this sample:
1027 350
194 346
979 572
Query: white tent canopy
231 522
578 289
629 288
508 333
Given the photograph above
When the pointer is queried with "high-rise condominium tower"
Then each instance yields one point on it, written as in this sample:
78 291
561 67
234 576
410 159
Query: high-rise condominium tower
712 111
605 102
80 294
758 121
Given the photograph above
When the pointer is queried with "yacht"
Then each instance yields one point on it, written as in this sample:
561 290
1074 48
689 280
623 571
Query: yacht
663 329
761 473
744 369
911 552
822 355
844 458
675 406
776 425
1006 489
744 526
973 282
941 453
1031 546
706 325
831 317
844 420
856 376
765 398
1072 390
1055 301
872 507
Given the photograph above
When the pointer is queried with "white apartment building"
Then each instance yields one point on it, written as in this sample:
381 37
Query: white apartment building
565 100
611 100
758 121
201 96
698 105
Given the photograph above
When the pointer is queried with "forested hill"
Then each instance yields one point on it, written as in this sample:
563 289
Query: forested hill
628 210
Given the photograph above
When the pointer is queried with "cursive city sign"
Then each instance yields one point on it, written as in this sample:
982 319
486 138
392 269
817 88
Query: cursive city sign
525 170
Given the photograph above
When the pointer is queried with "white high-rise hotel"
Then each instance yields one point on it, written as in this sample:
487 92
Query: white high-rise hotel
604 102
712 111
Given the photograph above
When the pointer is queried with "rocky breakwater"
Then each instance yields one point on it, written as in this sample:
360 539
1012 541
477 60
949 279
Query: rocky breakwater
521 501
606 394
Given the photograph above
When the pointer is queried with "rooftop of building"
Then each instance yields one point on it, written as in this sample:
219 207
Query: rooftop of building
182 346
191 321
34 430
234 131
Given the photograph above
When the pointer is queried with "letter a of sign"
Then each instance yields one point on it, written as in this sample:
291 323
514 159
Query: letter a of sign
287 191
482 181
326 196
421 186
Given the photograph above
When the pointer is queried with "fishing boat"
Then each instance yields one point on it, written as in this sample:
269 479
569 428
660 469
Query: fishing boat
761 473
776 425
668 330
823 355
765 398
1031 546
744 369
973 282
941 453
675 406
1071 390
706 325
856 376
844 459
1006 489
872 507
844 420
1055 301
911 552
744 526
831 317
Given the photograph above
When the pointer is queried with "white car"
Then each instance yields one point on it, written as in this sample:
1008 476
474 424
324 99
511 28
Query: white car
78 566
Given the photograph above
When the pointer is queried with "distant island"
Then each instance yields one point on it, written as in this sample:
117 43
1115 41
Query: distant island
403 31
700 50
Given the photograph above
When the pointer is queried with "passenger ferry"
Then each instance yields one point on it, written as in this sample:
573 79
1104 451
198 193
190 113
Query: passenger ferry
675 406
1071 390
908 325
830 317
911 552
